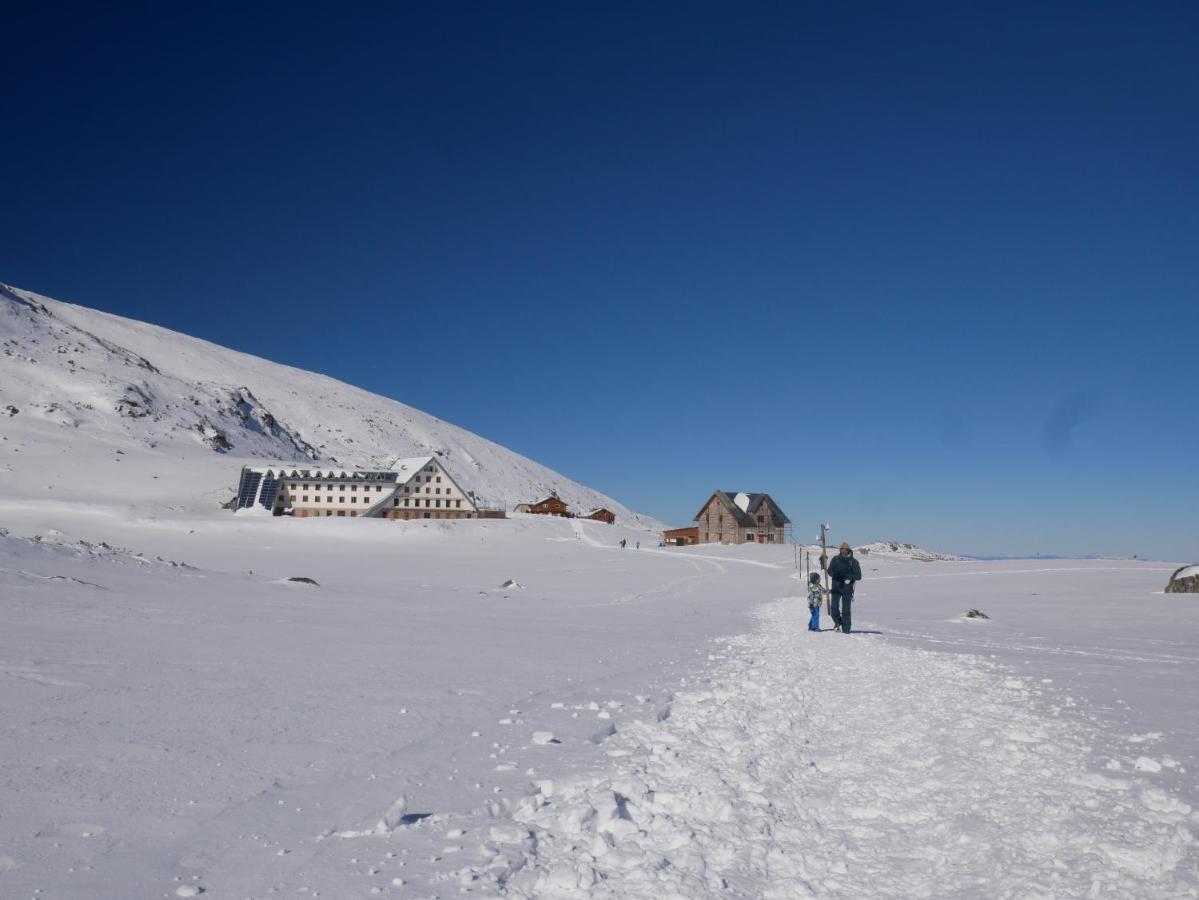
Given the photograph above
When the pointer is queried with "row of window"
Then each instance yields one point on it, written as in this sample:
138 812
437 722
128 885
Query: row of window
294 486
749 537
354 489
720 520
355 499
366 488
430 503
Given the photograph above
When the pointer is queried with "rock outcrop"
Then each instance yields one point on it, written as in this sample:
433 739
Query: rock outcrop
1184 581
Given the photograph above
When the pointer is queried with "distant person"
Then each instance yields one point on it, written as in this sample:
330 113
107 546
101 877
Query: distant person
843 571
638 546
815 599
622 543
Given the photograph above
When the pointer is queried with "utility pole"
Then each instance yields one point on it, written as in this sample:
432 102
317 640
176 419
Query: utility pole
824 566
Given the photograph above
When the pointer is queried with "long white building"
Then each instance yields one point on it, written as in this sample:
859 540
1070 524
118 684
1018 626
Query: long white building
416 488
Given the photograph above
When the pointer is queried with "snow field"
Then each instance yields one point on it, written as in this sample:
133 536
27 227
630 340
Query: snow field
411 728
843 766
198 721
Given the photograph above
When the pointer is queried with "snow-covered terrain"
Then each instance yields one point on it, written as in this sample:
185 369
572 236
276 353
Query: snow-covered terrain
86 385
897 550
194 703
188 717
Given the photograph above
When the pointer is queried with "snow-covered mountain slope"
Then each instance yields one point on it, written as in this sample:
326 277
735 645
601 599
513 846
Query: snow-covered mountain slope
896 550
89 385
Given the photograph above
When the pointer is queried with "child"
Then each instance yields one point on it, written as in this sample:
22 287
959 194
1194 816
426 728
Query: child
815 598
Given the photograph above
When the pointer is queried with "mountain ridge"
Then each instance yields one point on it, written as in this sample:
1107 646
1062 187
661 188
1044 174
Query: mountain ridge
70 370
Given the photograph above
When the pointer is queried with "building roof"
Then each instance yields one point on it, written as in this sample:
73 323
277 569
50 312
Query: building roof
744 515
400 471
411 465
330 473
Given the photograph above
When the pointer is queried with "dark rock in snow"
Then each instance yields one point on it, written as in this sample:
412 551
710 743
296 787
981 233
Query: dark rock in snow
303 580
976 614
1184 581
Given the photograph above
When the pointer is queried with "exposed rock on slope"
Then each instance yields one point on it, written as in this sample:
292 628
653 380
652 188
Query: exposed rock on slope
1184 581
77 378
906 551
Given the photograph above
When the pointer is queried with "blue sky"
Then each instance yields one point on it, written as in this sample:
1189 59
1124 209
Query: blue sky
926 273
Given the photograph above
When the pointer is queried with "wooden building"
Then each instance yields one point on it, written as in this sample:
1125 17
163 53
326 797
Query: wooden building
602 515
741 518
550 506
681 537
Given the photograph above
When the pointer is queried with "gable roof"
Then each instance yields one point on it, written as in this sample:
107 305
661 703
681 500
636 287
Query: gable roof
745 517
312 470
409 466
412 466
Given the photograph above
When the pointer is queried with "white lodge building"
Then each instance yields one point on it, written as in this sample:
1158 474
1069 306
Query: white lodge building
416 488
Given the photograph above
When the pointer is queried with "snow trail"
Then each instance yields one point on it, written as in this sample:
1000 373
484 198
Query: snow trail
845 766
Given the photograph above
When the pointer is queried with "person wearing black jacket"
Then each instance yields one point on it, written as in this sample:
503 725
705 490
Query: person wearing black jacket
843 571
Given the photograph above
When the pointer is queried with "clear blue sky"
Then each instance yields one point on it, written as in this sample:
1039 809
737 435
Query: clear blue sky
924 272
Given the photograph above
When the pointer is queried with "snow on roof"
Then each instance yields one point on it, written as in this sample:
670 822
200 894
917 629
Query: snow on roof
411 464
403 468
300 470
744 505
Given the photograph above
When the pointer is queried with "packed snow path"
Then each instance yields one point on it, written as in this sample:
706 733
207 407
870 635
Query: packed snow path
843 766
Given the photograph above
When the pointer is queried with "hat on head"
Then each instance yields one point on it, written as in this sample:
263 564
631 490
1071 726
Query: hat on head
845 546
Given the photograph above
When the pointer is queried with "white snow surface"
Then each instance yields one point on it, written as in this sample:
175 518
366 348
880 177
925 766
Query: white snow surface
898 550
630 723
84 383
520 708
776 780
1188 572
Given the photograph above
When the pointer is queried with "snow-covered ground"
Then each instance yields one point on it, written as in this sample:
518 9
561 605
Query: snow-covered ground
625 723
518 707
900 550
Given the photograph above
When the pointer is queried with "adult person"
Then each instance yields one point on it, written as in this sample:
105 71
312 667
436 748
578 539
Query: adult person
843 571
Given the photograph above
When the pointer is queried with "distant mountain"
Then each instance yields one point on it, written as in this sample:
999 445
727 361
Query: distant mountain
895 549
78 382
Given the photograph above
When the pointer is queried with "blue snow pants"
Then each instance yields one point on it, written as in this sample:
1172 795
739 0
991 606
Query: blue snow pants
814 622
